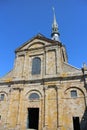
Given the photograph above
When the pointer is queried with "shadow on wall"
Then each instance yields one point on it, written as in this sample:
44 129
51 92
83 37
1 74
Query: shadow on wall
83 124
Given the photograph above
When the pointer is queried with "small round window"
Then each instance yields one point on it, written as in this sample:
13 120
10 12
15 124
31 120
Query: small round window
34 96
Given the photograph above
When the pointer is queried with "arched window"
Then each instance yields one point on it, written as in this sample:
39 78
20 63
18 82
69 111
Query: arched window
36 65
34 96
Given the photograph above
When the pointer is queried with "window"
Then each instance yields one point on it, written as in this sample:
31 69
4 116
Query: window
2 97
73 93
34 96
36 65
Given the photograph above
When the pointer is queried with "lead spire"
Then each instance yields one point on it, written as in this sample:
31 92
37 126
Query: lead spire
55 34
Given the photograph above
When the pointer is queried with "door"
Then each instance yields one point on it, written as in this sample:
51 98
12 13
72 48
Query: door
76 124
33 118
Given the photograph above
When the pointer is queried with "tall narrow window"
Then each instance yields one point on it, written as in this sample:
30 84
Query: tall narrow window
36 65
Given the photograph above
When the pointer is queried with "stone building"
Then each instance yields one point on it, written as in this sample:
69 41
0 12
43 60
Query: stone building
43 91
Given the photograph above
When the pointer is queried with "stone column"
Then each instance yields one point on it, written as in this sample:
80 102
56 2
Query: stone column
57 106
19 110
45 123
59 113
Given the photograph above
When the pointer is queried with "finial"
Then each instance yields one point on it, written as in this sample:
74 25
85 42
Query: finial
55 34
53 10
54 16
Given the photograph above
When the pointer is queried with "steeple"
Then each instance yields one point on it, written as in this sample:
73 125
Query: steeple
55 34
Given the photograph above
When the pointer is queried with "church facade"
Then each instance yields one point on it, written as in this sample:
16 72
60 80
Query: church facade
43 91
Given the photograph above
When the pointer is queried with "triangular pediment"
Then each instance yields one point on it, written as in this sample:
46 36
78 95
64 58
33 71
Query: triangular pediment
36 42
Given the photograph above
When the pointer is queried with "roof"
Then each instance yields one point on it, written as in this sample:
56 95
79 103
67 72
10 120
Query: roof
39 37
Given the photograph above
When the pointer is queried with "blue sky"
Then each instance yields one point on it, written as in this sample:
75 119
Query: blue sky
20 20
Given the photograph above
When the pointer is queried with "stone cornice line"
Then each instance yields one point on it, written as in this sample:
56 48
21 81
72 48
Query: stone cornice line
42 81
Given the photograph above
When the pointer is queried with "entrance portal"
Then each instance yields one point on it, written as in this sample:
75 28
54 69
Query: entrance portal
76 123
33 118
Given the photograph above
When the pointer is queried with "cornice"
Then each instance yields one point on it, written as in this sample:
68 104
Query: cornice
42 81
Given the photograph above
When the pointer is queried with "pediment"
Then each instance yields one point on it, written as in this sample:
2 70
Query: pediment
36 42
36 45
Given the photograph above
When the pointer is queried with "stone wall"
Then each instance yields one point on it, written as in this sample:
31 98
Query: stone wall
53 86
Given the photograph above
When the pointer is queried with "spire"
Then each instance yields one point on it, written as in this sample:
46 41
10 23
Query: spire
55 34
